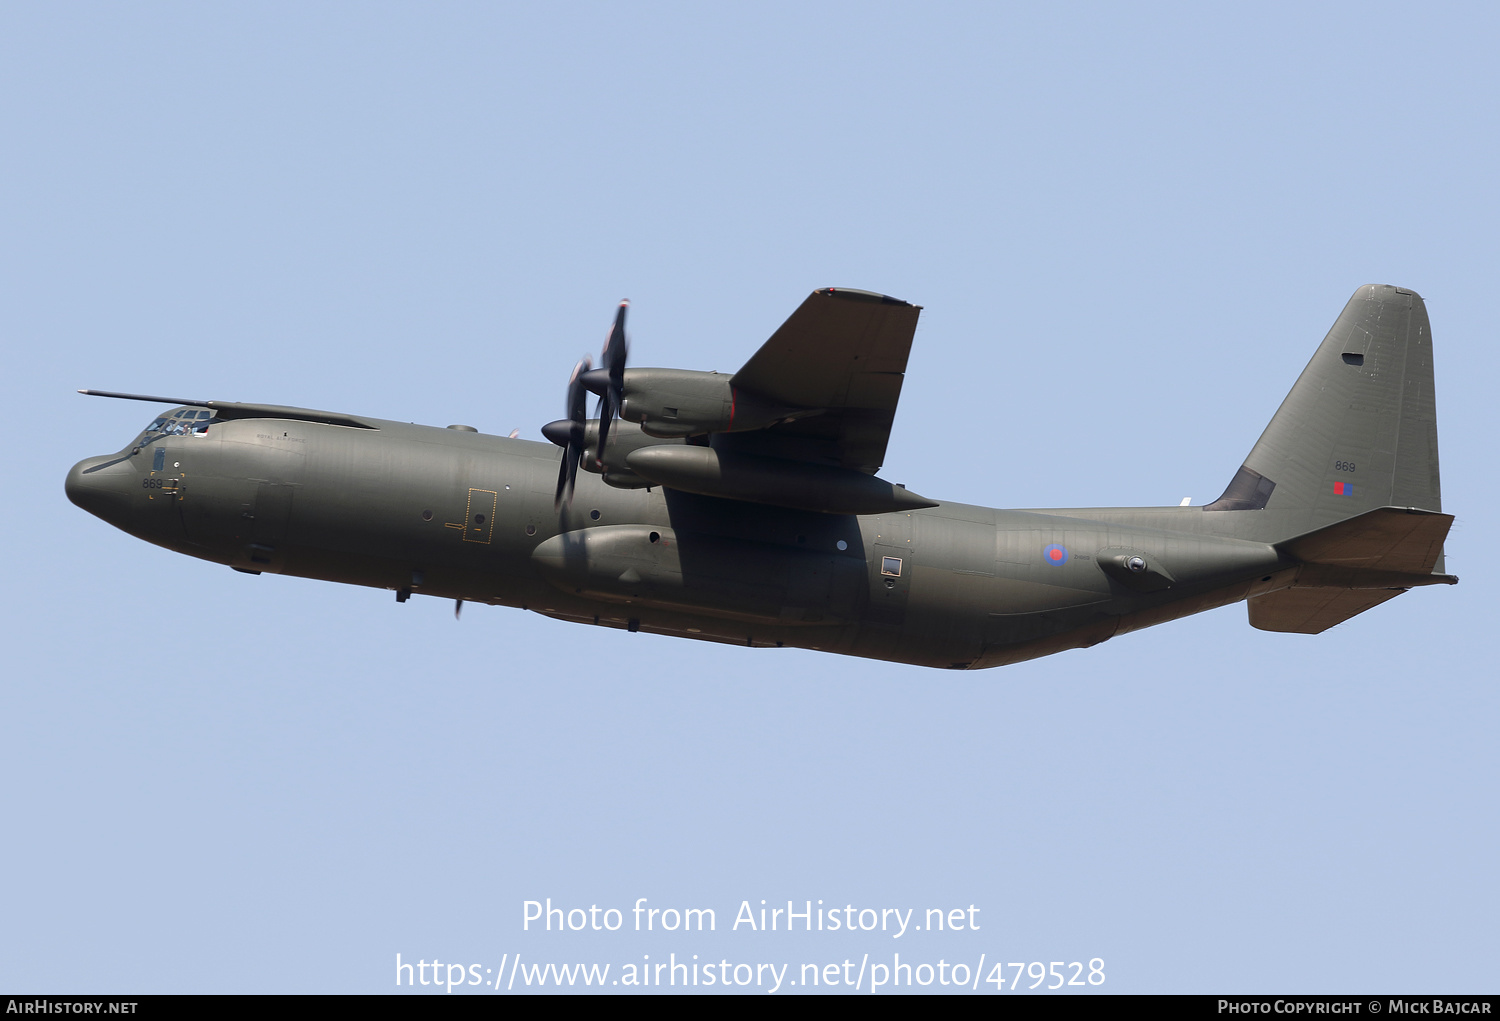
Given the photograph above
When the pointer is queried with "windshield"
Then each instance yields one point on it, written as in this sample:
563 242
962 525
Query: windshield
182 422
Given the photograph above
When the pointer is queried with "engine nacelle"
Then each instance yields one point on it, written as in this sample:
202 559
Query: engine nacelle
680 402
770 480
624 439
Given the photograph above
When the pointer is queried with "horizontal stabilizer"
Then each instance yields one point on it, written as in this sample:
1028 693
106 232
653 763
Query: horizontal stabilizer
1310 611
1384 539
1354 565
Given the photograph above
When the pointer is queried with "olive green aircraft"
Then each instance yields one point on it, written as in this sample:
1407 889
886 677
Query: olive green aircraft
747 508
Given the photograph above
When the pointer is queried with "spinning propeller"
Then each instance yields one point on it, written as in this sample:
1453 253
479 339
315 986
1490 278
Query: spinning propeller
569 433
608 381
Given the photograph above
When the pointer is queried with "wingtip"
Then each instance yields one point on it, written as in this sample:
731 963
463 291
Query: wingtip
855 294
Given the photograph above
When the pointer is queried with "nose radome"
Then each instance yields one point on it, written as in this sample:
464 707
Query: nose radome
100 485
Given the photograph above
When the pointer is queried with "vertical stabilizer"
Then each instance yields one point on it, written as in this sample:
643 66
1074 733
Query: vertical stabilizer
1357 432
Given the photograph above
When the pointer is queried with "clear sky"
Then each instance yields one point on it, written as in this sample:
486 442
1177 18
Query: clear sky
1129 228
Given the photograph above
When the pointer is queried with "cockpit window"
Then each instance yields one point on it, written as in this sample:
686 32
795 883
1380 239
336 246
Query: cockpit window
182 422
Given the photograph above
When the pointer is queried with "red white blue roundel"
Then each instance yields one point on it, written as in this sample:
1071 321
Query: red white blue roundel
1055 553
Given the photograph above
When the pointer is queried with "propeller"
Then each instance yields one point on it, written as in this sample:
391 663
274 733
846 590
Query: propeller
608 380
569 433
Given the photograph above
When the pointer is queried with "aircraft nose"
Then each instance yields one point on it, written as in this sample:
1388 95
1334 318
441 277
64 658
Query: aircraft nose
100 485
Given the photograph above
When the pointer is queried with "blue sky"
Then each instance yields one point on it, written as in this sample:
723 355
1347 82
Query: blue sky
1129 229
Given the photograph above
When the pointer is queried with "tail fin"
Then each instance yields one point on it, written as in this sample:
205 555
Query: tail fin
1345 478
1357 432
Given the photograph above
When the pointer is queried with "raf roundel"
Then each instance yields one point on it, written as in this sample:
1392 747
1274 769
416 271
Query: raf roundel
1055 553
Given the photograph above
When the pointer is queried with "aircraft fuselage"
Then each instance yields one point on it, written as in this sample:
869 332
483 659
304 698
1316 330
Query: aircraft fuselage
463 515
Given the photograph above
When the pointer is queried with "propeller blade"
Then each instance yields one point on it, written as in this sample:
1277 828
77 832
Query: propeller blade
604 420
569 434
577 402
612 364
608 381
564 482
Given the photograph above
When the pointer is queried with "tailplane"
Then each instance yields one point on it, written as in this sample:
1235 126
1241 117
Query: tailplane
1349 567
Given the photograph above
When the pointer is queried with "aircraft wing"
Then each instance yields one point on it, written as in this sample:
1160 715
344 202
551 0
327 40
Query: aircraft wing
226 410
843 352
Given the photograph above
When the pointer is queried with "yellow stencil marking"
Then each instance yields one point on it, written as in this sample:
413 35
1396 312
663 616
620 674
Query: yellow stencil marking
477 528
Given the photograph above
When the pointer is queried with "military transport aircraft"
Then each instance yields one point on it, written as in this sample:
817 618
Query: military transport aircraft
746 508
